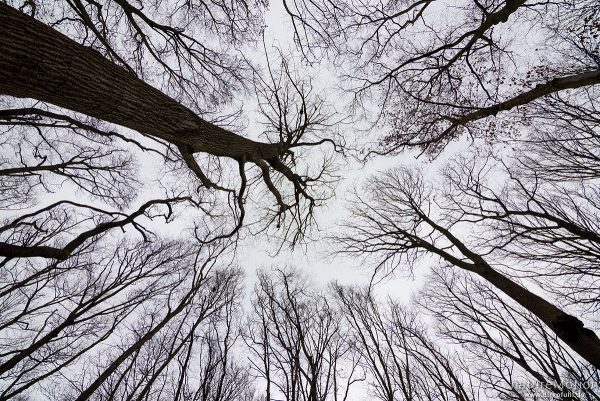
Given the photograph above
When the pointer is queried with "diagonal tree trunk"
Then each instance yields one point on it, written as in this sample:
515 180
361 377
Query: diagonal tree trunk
38 62
567 327
580 80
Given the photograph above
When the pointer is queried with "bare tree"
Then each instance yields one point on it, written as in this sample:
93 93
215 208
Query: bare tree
397 353
185 48
562 137
101 325
87 313
511 353
90 85
441 69
95 86
296 341
400 223
545 229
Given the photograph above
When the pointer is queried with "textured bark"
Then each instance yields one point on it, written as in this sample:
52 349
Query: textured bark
567 327
40 63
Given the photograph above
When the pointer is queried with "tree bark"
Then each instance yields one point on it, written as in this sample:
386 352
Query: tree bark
567 327
39 62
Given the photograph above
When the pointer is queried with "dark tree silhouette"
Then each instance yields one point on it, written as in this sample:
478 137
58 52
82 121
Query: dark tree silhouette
511 353
439 70
41 63
399 223
397 353
125 319
296 342
95 304
97 95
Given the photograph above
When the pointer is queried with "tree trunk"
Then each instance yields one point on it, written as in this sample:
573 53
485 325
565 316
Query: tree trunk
580 80
567 327
38 62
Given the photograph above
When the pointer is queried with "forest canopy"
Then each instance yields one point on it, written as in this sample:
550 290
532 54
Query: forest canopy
147 146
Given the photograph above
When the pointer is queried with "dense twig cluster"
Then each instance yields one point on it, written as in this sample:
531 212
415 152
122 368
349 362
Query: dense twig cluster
95 302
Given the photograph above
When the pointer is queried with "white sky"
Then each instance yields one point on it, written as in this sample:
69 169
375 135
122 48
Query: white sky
314 259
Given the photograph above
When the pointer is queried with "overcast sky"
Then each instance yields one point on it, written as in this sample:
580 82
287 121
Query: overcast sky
315 258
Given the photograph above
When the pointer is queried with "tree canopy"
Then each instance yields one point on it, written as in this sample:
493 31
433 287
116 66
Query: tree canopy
144 145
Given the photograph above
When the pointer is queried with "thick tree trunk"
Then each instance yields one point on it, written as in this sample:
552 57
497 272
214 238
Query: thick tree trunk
40 63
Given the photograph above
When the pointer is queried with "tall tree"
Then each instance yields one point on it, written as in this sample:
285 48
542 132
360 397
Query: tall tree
438 70
296 343
43 64
398 355
123 320
400 223
511 353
